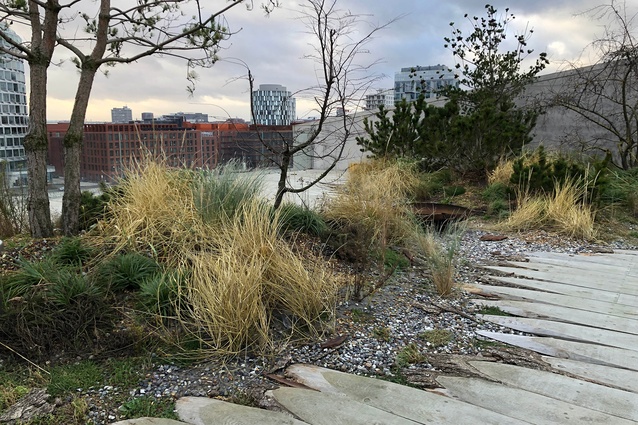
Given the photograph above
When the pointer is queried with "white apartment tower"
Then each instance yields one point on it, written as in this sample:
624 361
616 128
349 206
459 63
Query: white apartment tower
123 114
381 97
14 118
409 83
273 104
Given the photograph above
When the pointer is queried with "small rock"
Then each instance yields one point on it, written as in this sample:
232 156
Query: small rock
488 237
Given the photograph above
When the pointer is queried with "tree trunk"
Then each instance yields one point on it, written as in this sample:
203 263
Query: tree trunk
286 156
35 147
73 154
73 138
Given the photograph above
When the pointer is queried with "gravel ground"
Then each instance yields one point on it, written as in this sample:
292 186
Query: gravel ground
377 329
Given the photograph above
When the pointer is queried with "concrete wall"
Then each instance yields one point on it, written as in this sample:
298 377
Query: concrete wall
565 130
322 153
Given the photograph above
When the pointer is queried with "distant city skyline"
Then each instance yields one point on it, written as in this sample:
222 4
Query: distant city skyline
273 47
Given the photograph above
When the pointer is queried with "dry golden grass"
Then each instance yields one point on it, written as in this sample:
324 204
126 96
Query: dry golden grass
242 276
530 213
254 279
569 212
502 173
155 212
375 198
439 256
565 211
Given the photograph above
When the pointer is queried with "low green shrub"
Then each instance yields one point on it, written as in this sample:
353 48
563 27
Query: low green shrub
432 184
46 307
72 252
622 189
297 218
149 406
498 207
395 260
452 191
93 208
497 192
127 271
538 173
162 293
219 194
68 379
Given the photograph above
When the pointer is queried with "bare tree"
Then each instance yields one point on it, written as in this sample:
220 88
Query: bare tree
605 94
42 17
114 35
338 41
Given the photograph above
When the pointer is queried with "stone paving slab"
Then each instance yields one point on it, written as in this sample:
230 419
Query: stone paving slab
618 378
319 408
587 280
564 314
569 301
150 421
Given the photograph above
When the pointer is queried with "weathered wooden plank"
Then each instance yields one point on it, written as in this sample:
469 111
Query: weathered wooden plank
626 285
591 353
566 331
607 295
619 378
552 265
561 300
523 405
564 314
618 255
417 405
319 408
603 399
570 301
208 411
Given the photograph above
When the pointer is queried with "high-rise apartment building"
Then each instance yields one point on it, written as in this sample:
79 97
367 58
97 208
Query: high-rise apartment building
409 83
14 118
381 97
273 105
121 115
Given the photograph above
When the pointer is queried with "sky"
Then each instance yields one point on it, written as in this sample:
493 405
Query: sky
274 48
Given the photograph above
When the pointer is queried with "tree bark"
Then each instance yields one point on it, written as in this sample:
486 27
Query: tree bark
73 154
73 139
286 157
36 142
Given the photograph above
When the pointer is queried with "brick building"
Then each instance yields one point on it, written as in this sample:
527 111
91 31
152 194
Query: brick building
110 148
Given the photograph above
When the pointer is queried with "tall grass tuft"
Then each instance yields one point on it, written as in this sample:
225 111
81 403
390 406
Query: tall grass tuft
440 252
219 194
502 173
253 280
569 212
153 212
240 278
566 210
373 204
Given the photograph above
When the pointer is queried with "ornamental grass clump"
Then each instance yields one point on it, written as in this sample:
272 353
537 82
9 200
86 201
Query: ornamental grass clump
373 204
253 281
565 210
238 278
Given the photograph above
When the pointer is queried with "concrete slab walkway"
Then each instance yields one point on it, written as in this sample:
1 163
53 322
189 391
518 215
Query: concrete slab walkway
580 311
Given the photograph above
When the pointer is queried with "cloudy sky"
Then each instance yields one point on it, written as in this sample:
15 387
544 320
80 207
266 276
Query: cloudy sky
274 47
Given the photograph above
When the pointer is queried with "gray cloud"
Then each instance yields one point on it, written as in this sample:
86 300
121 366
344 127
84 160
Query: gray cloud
274 46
